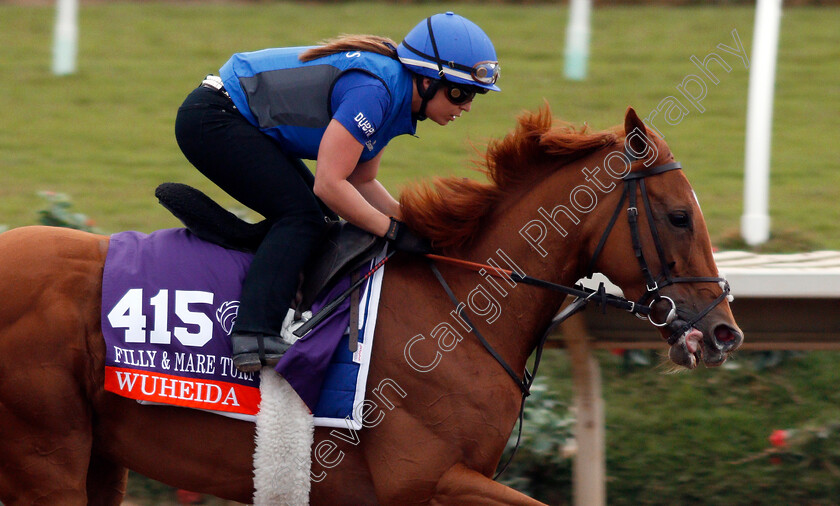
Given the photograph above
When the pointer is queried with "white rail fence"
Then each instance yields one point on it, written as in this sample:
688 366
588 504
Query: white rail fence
782 302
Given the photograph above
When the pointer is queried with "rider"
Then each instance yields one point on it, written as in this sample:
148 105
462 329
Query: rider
338 104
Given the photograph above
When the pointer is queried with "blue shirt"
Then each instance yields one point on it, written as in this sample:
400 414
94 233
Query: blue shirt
293 101
360 102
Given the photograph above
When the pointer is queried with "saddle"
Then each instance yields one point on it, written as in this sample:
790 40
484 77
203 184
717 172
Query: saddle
343 247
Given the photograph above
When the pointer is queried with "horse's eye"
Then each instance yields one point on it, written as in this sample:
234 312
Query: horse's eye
679 219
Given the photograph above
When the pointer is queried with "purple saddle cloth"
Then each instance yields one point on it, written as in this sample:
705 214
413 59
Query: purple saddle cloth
201 283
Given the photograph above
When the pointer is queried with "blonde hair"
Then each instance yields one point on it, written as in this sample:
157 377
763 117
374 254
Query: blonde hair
342 43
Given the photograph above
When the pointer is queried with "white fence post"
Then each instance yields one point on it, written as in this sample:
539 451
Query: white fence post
755 222
589 470
65 37
577 40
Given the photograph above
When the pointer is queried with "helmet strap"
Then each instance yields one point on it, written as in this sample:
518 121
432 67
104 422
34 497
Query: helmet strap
434 47
426 94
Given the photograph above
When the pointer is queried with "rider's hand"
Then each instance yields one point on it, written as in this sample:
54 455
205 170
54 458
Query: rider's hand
404 239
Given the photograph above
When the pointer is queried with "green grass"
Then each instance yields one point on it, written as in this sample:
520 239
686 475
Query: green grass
701 437
105 137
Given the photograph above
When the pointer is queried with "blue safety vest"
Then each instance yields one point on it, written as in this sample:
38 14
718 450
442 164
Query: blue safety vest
290 100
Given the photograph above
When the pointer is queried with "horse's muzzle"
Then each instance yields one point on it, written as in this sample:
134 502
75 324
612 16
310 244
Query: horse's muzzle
712 343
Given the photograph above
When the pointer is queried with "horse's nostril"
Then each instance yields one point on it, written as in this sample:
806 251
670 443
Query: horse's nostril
724 334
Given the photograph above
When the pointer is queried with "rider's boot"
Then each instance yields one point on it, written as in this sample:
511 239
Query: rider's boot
251 351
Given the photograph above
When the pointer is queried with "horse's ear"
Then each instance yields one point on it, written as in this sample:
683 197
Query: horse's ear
637 141
632 122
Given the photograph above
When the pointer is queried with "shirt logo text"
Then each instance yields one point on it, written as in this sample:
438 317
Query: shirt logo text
364 125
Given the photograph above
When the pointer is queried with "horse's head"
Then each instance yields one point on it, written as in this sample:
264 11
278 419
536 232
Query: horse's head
657 250
664 264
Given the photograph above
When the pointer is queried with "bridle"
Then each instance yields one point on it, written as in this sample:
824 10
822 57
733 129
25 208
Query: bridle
583 295
653 285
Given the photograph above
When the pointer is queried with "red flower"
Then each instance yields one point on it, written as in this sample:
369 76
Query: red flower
779 438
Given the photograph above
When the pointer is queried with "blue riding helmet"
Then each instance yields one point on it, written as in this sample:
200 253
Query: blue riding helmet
452 48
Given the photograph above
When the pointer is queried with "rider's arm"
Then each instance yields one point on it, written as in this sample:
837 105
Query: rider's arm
337 161
347 186
364 179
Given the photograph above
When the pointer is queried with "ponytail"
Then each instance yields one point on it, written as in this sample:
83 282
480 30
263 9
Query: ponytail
370 43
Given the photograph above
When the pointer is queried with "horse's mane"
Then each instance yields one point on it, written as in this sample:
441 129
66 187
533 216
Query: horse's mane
450 211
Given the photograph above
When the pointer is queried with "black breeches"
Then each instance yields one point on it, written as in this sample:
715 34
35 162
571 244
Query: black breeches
252 169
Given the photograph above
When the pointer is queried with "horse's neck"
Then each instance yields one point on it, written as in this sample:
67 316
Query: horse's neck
509 242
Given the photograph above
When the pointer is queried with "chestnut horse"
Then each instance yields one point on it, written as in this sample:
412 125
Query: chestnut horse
555 208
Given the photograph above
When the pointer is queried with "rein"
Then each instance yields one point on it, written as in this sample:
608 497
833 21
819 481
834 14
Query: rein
525 383
599 296
641 308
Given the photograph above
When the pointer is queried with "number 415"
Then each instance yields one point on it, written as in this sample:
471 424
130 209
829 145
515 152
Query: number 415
128 314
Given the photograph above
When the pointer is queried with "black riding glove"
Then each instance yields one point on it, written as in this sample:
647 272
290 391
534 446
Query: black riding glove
403 239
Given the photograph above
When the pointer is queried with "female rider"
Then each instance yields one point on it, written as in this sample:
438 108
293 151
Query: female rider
338 104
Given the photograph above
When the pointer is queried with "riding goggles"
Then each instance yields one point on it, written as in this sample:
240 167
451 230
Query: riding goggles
486 72
459 95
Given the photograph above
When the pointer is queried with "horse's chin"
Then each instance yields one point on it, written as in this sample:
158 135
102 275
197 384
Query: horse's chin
691 348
